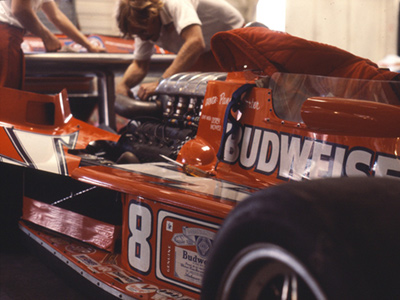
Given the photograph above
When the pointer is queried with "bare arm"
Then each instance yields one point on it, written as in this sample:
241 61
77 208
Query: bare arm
22 10
61 21
133 75
190 51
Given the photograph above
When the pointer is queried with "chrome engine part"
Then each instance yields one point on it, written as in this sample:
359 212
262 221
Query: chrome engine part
161 125
182 96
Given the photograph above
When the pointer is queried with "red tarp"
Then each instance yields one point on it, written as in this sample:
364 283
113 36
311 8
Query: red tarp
271 51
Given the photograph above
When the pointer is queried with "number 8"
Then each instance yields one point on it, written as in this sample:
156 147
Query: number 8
139 247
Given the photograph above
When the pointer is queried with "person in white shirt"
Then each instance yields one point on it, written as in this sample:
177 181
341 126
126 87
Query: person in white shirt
183 27
18 16
248 8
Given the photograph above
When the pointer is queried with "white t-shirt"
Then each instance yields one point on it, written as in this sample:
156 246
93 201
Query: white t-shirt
7 17
212 15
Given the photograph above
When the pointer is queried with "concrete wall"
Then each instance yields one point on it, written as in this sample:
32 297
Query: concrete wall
97 16
367 28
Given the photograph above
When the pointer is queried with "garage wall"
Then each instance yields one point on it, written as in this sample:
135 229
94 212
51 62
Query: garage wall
97 16
367 28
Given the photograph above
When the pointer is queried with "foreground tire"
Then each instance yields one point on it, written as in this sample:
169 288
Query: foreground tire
266 271
323 239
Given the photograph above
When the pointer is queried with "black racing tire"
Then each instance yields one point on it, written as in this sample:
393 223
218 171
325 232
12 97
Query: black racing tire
334 238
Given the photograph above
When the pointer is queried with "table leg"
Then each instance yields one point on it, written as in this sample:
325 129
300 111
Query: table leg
106 88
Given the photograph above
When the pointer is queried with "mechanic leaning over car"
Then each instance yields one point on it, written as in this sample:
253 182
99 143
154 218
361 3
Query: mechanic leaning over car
183 27
17 16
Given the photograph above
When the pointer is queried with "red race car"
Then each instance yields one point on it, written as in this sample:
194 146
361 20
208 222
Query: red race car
278 179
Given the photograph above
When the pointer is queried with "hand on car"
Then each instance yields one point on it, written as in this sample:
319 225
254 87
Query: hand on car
147 89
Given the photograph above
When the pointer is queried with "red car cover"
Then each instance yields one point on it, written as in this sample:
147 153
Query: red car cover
271 51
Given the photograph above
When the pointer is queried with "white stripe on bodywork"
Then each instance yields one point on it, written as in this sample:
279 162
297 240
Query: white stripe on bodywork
178 179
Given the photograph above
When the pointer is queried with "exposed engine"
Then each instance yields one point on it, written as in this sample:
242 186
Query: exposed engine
161 125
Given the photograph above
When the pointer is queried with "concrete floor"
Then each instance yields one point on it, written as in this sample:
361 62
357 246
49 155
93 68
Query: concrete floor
24 276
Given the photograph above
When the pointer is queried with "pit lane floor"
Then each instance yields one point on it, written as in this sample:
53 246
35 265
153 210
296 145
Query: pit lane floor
25 276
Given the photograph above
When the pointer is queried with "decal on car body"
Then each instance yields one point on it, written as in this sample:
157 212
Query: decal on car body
187 245
40 151
298 157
